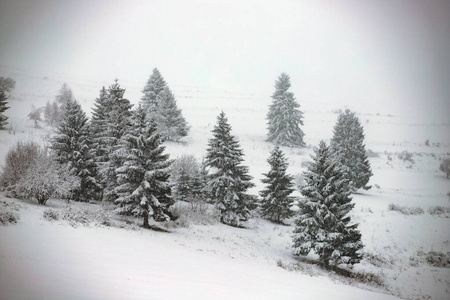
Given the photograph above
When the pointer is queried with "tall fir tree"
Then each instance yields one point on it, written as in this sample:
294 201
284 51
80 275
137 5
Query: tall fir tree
284 117
143 178
170 121
117 111
154 86
348 146
3 108
323 224
276 202
72 146
229 180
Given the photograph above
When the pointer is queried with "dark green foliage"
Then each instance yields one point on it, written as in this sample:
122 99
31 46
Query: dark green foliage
322 223
229 180
348 146
276 202
143 177
284 117
72 146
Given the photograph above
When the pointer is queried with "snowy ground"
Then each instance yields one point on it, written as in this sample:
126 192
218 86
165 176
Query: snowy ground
42 259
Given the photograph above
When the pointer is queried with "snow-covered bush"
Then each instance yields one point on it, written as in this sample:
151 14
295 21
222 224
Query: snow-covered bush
445 167
17 161
406 156
439 210
46 179
186 216
78 216
7 217
406 210
371 153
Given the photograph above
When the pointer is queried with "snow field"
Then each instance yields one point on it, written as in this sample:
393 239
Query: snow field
208 262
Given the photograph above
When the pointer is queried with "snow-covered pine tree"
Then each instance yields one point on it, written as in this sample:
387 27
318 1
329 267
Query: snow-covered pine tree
276 202
171 123
155 85
118 112
229 180
72 146
348 145
322 223
284 117
51 113
3 107
143 178
64 95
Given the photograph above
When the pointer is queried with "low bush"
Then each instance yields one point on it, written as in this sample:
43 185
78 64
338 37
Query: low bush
406 210
187 216
445 167
371 153
7 217
438 210
406 156
78 216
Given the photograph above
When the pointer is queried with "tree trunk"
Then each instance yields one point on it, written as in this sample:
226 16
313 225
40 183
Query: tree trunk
145 224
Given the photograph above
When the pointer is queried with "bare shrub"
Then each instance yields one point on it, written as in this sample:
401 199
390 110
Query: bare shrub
7 217
186 216
17 161
46 179
406 210
406 156
438 259
439 210
371 153
78 216
445 167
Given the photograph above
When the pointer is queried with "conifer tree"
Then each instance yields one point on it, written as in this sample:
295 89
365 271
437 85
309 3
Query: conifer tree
276 202
64 95
171 123
348 145
3 107
143 178
322 223
229 180
72 146
117 111
284 117
155 85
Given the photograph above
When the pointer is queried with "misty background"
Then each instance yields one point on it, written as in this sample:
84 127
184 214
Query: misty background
375 56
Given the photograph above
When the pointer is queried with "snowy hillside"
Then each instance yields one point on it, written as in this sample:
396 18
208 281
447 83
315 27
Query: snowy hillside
54 260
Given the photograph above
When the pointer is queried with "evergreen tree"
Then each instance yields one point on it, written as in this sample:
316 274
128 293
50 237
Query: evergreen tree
229 180
155 85
72 146
276 202
117 111
171 123
143 178
284 116
7 84
348 145
322 223
3 107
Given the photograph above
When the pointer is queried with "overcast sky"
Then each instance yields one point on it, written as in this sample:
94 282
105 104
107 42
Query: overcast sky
380 53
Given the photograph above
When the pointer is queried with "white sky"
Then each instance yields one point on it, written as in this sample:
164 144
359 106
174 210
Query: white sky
373 53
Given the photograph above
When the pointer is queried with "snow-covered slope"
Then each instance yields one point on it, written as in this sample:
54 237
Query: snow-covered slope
50 260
